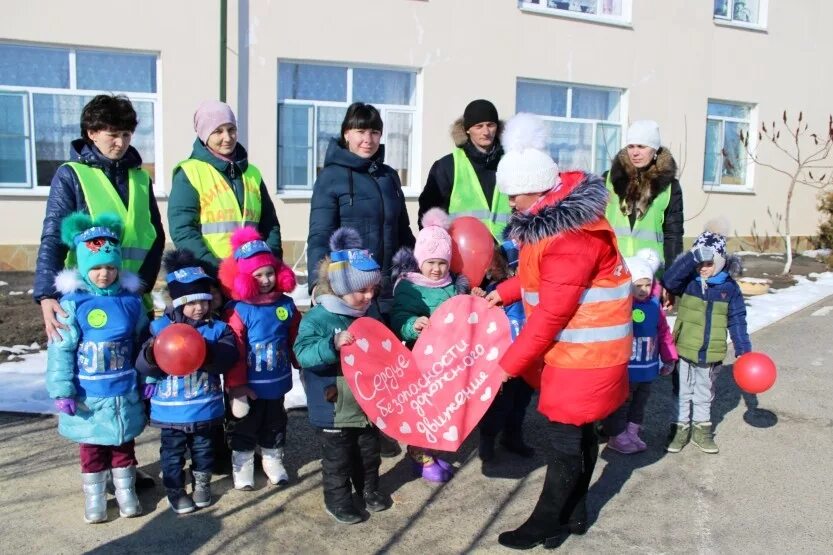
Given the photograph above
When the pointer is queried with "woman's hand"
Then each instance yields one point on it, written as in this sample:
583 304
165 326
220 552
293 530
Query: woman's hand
667 299
420 324
51 309
494 299
343 338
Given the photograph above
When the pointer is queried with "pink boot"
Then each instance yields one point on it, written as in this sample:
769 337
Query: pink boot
622 444
633 431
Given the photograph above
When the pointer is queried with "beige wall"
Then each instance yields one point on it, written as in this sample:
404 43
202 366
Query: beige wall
670 61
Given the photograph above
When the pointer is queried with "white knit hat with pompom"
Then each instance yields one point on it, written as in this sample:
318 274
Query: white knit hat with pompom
525 167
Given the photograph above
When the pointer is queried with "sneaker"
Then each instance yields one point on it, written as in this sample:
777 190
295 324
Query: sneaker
180 502
622 444
201 482
376 501
702 436
633 431
678 437
345 515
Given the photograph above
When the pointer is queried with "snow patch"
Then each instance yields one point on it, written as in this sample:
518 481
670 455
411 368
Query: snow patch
823 311
755 280
15 293
3 283
816 253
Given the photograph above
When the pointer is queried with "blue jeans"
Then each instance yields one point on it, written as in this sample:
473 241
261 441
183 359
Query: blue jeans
172 454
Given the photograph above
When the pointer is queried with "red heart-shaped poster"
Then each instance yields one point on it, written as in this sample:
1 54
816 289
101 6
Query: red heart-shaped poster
436 395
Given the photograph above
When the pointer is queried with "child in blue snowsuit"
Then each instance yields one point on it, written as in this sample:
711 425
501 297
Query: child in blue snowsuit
90 371
188 408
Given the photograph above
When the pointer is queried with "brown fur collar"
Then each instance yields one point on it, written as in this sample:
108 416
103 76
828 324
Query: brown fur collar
459 136
637 189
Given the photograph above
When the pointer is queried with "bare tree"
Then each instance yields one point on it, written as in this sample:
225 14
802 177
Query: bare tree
802 158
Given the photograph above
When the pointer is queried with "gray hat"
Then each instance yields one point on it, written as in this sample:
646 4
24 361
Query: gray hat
351 268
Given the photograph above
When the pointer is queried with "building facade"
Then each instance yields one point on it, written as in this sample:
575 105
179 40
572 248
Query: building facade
703 70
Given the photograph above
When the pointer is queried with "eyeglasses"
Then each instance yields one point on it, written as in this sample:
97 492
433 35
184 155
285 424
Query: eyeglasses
94 245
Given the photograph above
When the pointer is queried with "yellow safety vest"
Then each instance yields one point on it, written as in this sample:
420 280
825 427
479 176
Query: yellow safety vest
220 212
647 230
467 198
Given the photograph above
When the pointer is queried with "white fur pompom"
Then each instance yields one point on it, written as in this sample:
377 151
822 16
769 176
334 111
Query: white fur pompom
524 131
436 217
651 257
719 225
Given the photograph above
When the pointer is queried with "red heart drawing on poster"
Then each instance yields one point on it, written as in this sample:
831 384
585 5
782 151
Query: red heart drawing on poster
435 395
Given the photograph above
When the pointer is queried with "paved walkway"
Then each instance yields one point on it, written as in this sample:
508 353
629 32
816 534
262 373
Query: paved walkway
768 491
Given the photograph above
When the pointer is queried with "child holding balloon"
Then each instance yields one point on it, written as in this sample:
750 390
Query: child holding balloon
348 281
265 322
187 402
711 305
89 371
422 282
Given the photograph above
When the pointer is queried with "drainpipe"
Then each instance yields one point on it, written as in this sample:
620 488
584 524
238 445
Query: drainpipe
223 41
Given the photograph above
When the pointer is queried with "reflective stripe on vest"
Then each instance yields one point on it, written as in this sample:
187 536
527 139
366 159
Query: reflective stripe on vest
220 212
101 197
647 230
598 334
467 198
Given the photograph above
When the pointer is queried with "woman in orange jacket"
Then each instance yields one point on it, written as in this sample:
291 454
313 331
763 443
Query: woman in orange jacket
576 343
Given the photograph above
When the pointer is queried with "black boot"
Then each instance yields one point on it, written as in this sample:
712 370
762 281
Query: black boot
513 441
574 514
543 527
486 449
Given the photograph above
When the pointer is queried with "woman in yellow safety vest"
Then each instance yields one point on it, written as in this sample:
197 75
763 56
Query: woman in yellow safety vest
217 190
463 183
645 207
104 174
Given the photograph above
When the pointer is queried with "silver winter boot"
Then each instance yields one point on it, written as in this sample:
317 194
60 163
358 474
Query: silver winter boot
124 480
243 469
201 493
95 496
272 461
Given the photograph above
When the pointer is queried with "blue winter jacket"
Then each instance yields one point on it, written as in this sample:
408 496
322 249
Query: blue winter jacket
221 354
362 193
705 314
66 196
104 333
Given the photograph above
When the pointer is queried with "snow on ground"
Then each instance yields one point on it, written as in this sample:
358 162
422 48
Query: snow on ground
23 383
817 253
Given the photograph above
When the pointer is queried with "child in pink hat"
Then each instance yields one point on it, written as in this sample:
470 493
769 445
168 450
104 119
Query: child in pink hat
422 283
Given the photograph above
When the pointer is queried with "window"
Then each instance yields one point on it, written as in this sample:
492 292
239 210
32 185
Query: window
42 93
617 12
312 101
585 123
746 13
725 159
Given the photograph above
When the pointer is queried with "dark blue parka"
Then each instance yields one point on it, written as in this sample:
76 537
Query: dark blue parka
66 196
362 193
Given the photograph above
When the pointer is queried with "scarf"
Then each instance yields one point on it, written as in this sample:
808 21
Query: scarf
336 305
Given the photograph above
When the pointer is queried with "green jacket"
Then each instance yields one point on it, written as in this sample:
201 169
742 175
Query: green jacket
410 301
184 205
321 364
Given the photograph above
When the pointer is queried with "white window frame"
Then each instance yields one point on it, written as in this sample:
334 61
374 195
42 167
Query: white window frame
414 168
154 98
569 12
595 122
748 187
729 21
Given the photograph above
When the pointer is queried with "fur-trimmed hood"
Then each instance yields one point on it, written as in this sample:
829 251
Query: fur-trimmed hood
70 281
584 202
459 135
637 189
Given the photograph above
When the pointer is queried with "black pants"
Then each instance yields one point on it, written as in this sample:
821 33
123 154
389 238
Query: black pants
508 410
349 457
264 426
172 454
569 443
632 410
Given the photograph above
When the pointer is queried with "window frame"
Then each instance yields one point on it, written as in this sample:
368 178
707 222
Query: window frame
729 21
35 190
624 20
621 122
414 168
748 186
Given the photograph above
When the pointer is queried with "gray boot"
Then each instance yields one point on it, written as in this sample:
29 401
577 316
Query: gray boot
124 480
95 496
272 462
201 493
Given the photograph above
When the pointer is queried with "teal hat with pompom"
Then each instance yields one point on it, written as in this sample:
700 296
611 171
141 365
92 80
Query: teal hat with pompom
96 242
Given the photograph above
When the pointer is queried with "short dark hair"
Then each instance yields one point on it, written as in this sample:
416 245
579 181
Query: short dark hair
360 116
108 112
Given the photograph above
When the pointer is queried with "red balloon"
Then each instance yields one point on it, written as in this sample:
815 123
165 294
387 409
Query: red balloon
179 350
754 372
472 248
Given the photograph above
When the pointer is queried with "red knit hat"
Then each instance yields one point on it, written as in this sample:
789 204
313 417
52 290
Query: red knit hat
250 253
